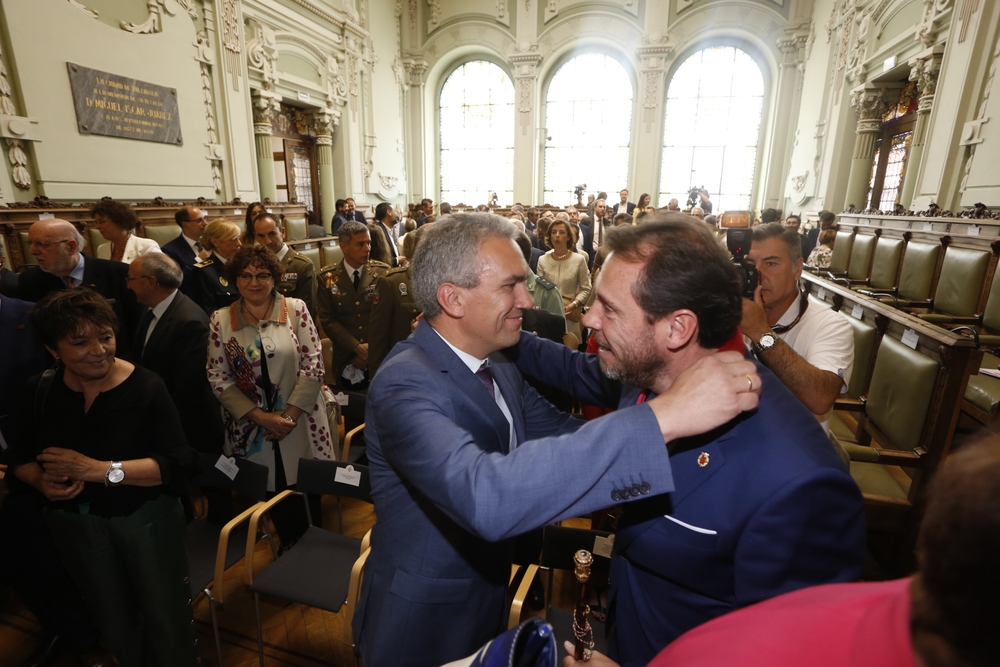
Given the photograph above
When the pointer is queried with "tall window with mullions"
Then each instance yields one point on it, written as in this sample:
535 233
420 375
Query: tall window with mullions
712 128
477 135
892 151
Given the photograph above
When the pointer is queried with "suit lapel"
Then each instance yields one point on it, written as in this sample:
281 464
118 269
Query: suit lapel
508 380
467 384
163 323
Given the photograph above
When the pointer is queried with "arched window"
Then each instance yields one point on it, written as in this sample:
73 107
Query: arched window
714 103
477 135
588 118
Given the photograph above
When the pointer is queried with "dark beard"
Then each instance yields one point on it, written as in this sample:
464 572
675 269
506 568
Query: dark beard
638 368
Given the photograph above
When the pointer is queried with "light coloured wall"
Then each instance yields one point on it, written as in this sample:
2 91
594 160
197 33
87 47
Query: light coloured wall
371 71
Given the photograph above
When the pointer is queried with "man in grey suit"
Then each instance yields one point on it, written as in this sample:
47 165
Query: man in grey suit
464 454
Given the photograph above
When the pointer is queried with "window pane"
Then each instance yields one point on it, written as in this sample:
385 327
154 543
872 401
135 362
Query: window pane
899 148
477 135
588 116
714 104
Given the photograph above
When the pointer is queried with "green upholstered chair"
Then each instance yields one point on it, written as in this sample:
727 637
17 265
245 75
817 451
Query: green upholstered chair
917 274
296 229
332 255
865 336
860 264
893 416
960 284
841 258
29 259
982 395
312 252
162 234
885 266
95 239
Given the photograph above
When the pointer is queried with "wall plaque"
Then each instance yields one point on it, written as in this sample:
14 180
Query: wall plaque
117 106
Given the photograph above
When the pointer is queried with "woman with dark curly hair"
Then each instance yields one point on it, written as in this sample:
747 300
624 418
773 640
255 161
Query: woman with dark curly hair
266 368
102 441
117 222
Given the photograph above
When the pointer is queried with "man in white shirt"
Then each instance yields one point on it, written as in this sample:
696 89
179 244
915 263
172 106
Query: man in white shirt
185 248
808 346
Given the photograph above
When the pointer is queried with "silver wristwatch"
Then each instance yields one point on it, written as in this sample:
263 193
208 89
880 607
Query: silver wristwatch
115 475
766 342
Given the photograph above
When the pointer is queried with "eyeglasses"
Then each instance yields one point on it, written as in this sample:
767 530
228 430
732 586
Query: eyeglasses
44 244
201 219
249 277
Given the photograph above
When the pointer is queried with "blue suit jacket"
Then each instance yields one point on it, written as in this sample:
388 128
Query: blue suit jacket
762 506
447 493
181 252
22 358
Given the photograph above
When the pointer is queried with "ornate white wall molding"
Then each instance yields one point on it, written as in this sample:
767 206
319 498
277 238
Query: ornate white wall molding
262 53
435 6
154 22
92 13
15 147
232 37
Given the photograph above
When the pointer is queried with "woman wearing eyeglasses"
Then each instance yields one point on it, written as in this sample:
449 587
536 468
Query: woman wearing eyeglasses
266 368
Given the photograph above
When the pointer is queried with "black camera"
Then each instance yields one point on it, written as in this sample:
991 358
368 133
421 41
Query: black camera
579 190
694 197
738 241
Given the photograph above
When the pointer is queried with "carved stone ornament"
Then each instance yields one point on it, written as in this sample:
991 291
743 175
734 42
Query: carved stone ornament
15 148
501 8
524 96
265 109
435 6
154 22
352 74
870 103
652 95
415 70
231 35
413 12
323 122
92 13
262 53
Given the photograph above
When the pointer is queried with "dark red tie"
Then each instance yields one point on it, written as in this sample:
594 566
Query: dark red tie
485 376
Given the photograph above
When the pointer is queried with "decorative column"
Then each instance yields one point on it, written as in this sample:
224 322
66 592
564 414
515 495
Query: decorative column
925 73
323 122
871 103
778 151
265 108
654 57
528 141
416 134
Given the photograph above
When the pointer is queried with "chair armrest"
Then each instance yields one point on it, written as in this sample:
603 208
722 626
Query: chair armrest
888 457
259 510
521 595
223 549
941 318
989 340
347 441
354 590
926 303
849 404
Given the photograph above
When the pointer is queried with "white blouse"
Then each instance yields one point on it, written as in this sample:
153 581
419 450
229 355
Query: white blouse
134 247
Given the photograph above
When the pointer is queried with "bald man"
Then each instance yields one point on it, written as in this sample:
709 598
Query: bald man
58 246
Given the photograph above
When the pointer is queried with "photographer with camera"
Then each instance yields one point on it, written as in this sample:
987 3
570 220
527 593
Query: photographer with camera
698 197
810 348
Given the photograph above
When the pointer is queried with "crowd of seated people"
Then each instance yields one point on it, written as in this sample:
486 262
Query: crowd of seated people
213 345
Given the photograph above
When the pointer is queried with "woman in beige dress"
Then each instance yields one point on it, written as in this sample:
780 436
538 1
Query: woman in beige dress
568 270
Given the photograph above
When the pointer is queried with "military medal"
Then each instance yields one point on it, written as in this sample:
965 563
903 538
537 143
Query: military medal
703 459
223 282
335 290
402 288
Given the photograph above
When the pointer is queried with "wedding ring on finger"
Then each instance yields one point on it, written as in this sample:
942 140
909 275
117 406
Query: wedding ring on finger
749 382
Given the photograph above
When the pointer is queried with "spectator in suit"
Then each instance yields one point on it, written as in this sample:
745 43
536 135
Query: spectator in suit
584 234
385 222
297 277
531 219
827 220
666 298
464 454
795 222
117 222
426 209
212 288
185 249
253 210
315 231
673 205
353 213
769 215
174 345
599 224
340 217
445 208
623 206
57 246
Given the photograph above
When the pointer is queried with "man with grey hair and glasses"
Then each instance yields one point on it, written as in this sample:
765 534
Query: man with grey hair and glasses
465 455
57 246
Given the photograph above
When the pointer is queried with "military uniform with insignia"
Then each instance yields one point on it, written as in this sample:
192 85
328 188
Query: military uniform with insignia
212 288
546 295
345 312
297 279
392 319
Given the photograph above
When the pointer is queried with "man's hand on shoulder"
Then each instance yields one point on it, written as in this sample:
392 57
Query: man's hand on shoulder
706 395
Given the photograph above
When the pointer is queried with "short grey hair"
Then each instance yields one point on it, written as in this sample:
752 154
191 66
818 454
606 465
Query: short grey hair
349 230
164 269
775 230
449 253
77 236
562 216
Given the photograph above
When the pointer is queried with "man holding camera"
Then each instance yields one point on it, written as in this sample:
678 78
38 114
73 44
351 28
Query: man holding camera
810 348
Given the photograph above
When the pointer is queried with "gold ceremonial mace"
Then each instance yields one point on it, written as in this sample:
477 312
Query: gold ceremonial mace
582 632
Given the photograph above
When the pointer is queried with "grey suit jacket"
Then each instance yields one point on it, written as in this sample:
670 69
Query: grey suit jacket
448 494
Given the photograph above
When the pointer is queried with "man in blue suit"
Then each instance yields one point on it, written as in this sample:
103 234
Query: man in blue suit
760 506
185 248
464 454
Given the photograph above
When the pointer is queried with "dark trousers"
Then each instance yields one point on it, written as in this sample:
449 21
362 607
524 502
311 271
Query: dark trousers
133 573
30 565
